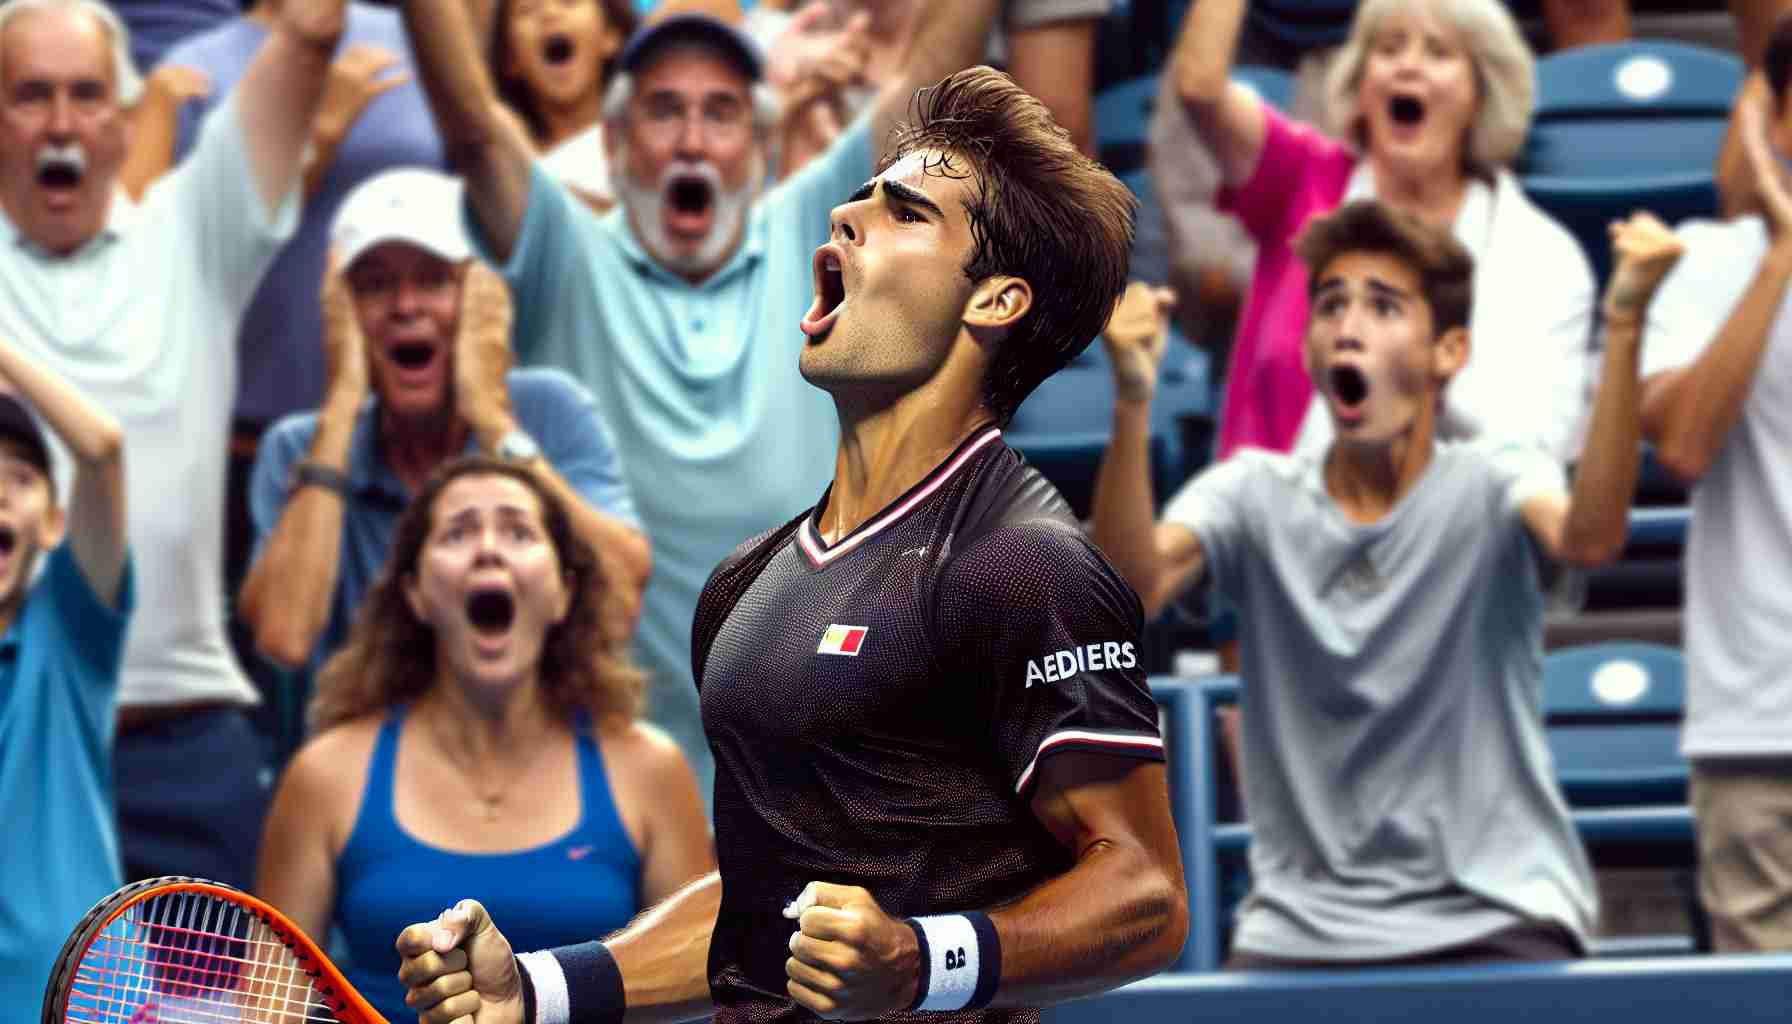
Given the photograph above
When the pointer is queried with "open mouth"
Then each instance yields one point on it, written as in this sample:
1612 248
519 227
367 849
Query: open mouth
9 539
690 196
1349 385
557 49
59 174
413 355
491 611
830 293
1407 111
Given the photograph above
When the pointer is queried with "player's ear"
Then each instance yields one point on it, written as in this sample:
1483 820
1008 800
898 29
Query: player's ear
998 302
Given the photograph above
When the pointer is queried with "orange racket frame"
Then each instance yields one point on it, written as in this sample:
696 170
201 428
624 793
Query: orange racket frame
277 960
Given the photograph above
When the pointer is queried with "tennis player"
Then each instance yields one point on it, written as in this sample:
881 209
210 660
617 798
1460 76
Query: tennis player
939 779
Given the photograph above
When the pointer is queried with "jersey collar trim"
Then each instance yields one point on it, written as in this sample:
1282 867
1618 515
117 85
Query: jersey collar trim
820 554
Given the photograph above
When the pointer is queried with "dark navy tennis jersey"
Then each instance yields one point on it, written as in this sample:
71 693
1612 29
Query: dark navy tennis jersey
879 707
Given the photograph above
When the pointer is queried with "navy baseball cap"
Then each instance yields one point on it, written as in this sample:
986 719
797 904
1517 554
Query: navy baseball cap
653 37
17 423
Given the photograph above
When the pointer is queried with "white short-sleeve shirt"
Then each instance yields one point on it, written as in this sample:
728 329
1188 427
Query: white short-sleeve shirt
143 319
1739 549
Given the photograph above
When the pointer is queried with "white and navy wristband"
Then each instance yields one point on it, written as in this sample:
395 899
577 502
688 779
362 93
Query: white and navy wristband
571 983
961 961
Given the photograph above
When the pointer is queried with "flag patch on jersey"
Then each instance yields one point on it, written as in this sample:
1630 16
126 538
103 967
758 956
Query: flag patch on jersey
843 640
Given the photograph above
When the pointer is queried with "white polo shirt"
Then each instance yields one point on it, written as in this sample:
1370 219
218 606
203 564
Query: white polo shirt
1739 549
143 319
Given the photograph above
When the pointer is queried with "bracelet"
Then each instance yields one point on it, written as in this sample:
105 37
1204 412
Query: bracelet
961 961
316 474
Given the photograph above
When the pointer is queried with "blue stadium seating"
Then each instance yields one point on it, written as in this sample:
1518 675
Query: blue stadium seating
1731 989
1613 714
1627 126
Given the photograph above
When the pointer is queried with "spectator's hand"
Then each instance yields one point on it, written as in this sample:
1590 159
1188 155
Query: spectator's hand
849 960
459 967
1136 336
345 350
482 353
357 78
813 40
175 84
1754 114
1644 250
316 23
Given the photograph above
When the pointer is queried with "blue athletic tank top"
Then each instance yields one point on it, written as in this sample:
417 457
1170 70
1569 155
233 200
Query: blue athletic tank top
583 885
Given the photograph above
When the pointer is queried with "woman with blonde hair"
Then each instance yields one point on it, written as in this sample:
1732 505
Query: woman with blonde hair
1430 103
478 734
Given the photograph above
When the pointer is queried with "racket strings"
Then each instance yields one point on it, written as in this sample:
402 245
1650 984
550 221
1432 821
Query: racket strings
191 958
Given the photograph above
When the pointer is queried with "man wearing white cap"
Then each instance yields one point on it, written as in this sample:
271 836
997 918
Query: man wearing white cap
417 345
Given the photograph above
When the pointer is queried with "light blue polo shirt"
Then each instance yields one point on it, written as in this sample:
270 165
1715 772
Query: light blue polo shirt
59 666
550 406
723 437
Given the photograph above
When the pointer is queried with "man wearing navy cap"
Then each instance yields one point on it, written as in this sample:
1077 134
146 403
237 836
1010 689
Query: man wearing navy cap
679 307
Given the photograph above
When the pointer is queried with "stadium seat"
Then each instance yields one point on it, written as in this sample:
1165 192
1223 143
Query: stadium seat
1627 126
1734 989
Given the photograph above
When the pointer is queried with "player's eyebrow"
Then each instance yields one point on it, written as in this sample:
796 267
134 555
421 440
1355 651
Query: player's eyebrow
901 193
863 192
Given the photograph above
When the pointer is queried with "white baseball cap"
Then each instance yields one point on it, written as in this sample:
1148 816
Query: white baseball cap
407 204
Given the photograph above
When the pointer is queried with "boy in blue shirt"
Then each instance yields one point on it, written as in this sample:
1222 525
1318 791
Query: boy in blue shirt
61 640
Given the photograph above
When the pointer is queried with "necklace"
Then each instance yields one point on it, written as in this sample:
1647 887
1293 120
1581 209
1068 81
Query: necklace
490 803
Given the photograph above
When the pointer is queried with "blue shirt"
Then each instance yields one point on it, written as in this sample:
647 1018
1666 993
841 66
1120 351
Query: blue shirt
282 364
700 382
58 683
550 406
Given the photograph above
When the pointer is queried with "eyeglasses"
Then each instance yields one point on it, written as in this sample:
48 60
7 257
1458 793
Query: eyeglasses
721 119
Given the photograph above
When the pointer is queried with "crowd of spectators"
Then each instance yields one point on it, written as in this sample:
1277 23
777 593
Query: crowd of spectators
450 344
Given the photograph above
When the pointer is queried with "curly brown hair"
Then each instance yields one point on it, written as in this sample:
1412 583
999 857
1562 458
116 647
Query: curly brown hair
515 92
1040 210
390 656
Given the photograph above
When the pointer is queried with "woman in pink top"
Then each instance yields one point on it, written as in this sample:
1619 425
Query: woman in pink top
1431 100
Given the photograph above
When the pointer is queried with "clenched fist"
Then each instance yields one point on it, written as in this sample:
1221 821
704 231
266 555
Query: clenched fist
1645 250
849 960
1136 336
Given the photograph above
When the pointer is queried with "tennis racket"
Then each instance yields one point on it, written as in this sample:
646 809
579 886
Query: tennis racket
187 951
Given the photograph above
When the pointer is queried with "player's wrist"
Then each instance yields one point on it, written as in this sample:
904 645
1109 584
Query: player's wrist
960 961
570 983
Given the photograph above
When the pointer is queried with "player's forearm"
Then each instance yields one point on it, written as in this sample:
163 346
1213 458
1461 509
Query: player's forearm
1120 914
1599 508
1122 506
1696 417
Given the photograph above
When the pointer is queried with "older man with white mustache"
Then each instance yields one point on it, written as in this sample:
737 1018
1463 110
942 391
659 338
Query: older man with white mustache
680 308
137 306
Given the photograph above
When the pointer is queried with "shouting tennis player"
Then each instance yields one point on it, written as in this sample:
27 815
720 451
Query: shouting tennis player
939 780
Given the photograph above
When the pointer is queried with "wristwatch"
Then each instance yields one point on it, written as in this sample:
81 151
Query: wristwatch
316 474
517 446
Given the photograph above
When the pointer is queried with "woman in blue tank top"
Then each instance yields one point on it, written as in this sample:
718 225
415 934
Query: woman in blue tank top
477 735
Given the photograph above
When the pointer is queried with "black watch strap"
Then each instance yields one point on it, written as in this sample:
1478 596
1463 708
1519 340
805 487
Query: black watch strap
316 474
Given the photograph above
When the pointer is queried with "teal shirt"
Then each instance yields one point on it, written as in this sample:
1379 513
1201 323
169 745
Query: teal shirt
58 679
720 436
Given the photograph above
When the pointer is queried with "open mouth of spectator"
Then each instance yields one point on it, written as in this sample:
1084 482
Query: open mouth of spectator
9 539
830 293
1407 113
1349 388
558 49
60 171
413 355
689 203
491 611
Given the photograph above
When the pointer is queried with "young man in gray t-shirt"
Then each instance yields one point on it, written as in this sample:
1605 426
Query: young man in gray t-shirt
1391 609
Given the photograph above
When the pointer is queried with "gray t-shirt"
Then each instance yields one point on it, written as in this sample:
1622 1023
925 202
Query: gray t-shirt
1395 770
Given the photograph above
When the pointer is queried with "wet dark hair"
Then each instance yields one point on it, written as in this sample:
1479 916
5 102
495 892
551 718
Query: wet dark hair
1040 211
514 91
1445 268
390 656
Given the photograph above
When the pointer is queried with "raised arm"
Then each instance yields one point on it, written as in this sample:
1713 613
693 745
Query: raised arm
460 965
289 591
1055 61
1228 117
155 123
1689 412
1159 560
96 514
483 141
953 35
1120 912
279 93
1590 528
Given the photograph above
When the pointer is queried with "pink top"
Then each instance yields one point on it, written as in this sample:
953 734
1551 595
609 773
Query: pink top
1301 173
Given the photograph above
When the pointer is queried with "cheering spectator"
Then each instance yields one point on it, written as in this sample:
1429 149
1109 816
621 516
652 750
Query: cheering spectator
1718 384
1434 101
680 309
478 734
552 60
138 307
1391 607
61 640
413 323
